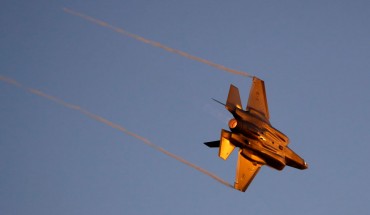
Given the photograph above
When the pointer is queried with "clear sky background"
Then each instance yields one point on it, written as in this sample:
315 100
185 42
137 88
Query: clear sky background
313 55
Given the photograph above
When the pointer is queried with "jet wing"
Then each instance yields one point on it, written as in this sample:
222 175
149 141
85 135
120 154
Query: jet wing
257 98
246 170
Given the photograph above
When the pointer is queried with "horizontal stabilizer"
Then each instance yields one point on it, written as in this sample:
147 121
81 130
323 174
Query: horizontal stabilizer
213 144
218 102
226 147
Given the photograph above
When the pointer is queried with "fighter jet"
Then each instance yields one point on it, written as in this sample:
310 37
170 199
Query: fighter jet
251 131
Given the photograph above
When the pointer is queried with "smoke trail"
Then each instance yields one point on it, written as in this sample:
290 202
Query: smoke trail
112 125
153 43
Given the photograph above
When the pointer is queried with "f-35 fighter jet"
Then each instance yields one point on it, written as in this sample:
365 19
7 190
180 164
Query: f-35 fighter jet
251 131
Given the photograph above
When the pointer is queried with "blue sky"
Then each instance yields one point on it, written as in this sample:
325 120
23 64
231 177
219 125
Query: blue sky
314 58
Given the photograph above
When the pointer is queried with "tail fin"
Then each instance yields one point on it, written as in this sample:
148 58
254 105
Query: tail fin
257 101
233 99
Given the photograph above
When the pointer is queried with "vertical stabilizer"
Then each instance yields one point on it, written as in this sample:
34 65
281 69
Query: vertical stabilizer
257 101
233 99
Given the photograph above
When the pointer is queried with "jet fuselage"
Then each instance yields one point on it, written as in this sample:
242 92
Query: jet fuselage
251 131
262 143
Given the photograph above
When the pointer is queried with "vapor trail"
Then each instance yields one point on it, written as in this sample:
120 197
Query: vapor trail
153 43
112 125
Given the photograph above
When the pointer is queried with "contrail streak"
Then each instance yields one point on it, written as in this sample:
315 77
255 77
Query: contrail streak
112 125
153 43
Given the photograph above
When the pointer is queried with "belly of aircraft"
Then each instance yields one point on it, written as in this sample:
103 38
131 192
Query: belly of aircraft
262 153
